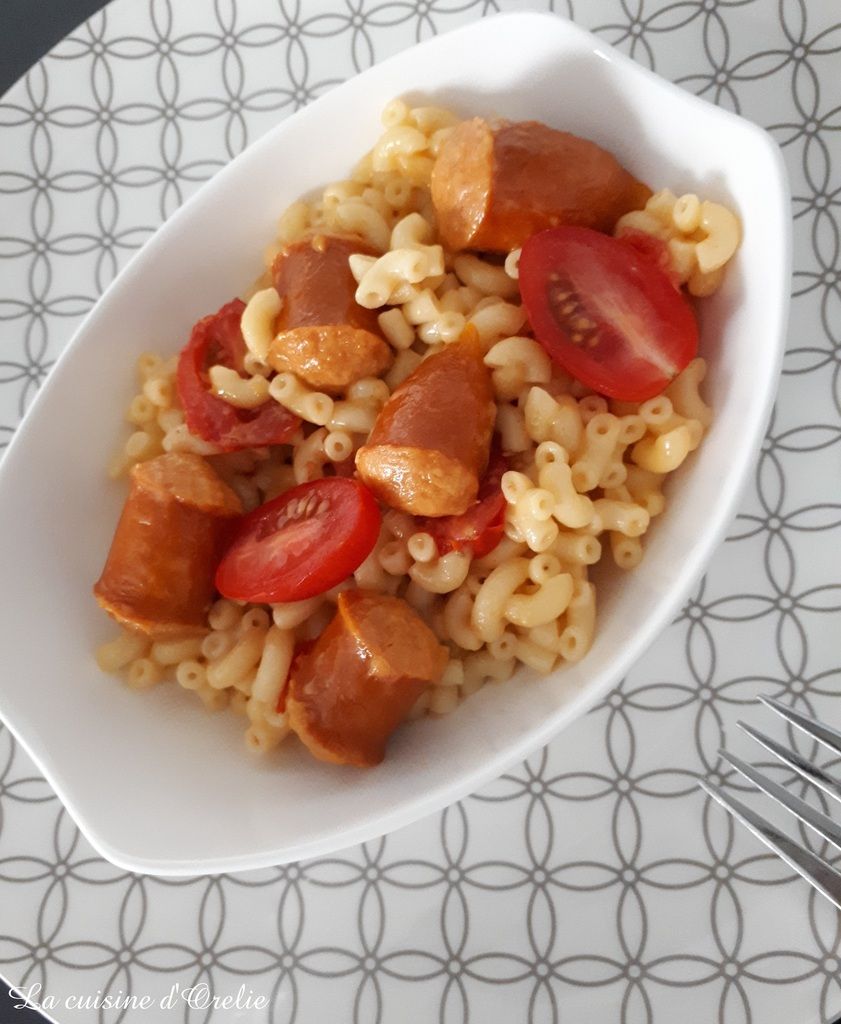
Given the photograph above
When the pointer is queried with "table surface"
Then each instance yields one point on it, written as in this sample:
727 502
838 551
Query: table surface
28 28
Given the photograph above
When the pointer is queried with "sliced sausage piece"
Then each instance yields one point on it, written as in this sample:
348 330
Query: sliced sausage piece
323 335
429 446
158 577
495 184
359 680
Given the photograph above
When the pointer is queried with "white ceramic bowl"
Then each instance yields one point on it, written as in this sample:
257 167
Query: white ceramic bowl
155 783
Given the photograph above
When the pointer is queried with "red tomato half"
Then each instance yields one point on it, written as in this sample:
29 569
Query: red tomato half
301 543
652 248
217 339
480 527
605 312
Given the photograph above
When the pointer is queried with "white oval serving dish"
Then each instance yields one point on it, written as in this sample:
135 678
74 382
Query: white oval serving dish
155 783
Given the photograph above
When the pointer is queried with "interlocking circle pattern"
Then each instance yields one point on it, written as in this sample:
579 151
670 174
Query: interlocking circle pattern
594 882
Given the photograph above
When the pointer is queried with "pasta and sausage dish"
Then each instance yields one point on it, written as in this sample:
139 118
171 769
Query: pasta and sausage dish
378 480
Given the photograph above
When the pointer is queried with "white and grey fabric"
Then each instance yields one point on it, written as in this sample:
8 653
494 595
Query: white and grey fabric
595 881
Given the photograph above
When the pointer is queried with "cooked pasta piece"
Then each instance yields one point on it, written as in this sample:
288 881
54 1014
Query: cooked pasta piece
442 575
577 636
122 650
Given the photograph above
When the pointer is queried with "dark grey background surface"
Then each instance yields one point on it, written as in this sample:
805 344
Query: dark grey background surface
28 28
8 1013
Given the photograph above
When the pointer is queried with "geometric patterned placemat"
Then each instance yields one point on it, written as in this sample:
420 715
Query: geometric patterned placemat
595 881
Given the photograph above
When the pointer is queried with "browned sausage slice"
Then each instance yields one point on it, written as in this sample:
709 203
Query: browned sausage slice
494 185
361 677
429 446
323 335
159 573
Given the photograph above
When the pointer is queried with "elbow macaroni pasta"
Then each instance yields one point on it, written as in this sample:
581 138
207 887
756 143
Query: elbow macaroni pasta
312 406
701 236
586 474
258 320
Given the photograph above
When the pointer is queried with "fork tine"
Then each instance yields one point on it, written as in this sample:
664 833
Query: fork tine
816 871
815 819
820 778
811 726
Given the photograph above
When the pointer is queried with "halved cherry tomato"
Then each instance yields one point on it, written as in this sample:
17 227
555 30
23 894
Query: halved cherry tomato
605 313
480 527
217 339
300 544
652 248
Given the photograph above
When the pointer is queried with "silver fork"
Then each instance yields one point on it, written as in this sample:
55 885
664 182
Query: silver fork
817 872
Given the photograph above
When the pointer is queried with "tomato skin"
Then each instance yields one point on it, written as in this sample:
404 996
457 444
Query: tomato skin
652 248
606 313
218 339
480 527
301 543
